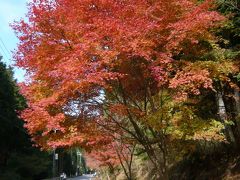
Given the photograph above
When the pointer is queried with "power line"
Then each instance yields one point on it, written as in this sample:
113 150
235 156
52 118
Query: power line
5 47
3 51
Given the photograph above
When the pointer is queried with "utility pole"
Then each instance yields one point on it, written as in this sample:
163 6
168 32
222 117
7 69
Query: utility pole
79 155
80 164
53 170
55 157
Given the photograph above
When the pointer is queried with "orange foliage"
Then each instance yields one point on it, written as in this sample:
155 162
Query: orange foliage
75 51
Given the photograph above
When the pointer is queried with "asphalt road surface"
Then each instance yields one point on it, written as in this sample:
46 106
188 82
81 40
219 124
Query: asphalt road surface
83 177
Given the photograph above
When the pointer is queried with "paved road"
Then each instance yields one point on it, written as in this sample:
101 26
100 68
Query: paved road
83 177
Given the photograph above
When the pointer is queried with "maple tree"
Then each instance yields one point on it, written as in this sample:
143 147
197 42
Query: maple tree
118 67
116 153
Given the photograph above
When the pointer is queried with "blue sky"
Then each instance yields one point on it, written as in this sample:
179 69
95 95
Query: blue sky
10 10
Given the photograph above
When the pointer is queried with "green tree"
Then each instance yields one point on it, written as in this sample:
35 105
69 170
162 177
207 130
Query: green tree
18 159
10 102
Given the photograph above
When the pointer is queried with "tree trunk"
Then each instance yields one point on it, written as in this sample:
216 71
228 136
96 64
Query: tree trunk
223 117
237 100
236 128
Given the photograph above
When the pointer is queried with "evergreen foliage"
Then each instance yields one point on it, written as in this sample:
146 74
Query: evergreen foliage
18 159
